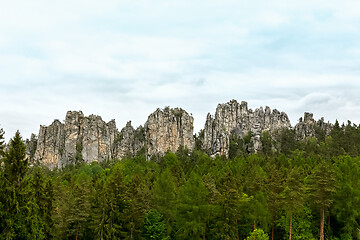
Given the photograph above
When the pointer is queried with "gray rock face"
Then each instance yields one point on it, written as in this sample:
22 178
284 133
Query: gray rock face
58 144
31 147
129 141
308 127
167 129
51 144
92 139
234 118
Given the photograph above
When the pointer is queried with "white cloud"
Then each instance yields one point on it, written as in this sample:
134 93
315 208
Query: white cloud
123 59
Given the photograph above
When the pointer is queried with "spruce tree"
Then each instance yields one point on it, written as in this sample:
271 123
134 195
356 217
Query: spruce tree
20 219
15 161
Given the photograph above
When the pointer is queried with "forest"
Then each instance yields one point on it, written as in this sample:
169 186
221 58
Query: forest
307 189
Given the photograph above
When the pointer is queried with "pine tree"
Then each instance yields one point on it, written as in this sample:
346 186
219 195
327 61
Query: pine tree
322 189
293 195
275 187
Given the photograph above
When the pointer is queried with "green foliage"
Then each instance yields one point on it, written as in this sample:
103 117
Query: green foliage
293 194
302 225
266 143
240 147
285 141
24 207
192 208
164 197
78 155
258 234
322 184
154 226
189 195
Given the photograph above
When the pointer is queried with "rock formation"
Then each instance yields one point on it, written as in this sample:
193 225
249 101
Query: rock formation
167 129
308 127
129 141
50 145
31 147
89 138
234 118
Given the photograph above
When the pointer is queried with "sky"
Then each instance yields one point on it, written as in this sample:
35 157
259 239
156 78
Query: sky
123 59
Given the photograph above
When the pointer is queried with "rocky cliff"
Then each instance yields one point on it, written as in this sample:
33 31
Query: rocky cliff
235 118
167 129
308 127
89 138
79 138
129 141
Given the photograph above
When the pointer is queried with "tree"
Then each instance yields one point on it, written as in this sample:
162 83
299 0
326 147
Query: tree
285 140
20 219
293 195
154 226
80 207
111 204
137 197
258 234
254 185
192 208
275 187
164 198
346 206
43 197
266 143
322 189
231 200
15 161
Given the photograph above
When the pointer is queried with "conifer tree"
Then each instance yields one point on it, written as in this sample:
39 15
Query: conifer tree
293 195
322 189
154 226
192 208
164 198
20 219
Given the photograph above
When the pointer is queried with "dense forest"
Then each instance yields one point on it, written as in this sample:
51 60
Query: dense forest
291 189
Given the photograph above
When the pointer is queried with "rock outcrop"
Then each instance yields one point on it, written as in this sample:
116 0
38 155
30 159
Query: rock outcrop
234 118
31 145
129 141
89 138
50 145
79 138
308 127
167 129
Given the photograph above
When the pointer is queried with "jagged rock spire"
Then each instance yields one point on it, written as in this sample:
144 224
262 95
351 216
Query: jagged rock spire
234 118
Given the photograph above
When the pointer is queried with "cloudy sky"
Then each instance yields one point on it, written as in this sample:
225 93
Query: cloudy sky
123 59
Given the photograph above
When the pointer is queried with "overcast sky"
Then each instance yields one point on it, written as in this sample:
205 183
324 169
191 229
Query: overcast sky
123 59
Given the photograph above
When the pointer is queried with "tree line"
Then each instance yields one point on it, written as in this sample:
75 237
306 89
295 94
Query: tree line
307 189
